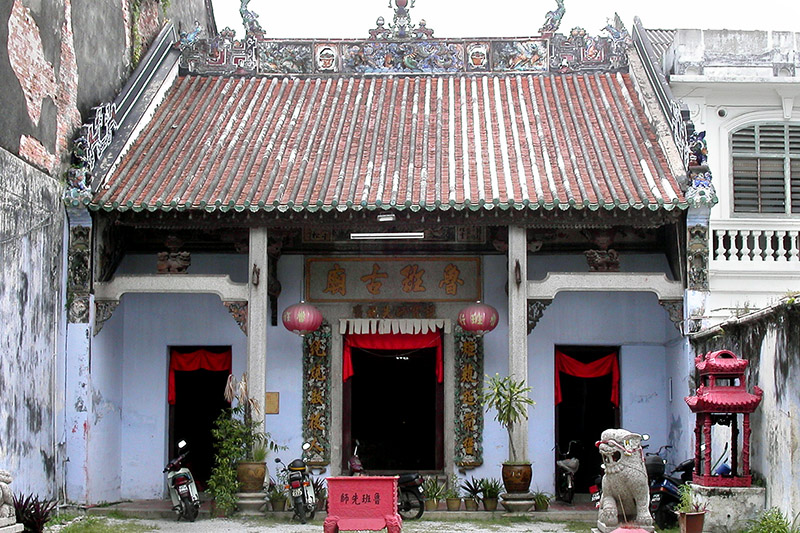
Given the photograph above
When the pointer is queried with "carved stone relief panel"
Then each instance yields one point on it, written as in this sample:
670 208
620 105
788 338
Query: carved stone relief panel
468 408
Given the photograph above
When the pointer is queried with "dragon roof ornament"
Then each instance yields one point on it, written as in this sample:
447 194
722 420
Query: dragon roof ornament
401 27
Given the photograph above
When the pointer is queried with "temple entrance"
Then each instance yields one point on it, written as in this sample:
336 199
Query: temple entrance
196 396
589 404
393 405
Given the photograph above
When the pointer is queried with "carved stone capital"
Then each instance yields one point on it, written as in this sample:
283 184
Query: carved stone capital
238 311
103 309
535 311
674 309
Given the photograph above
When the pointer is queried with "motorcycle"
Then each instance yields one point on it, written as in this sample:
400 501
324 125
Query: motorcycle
182 488
410 498
300 488
664 489
567 467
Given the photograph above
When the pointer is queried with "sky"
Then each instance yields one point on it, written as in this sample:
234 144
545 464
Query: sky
352 19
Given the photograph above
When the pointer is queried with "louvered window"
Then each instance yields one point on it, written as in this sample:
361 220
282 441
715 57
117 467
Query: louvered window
766 169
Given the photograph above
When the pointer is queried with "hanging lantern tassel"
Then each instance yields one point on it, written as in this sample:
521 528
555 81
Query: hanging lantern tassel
478 318
302 318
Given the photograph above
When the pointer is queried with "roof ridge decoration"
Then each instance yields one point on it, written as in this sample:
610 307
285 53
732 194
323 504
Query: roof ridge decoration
403 48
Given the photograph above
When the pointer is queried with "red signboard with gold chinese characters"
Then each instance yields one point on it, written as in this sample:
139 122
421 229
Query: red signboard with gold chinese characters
363 279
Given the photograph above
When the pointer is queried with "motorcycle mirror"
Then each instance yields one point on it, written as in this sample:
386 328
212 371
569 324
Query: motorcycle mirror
645 436
277 460
306 446
182 445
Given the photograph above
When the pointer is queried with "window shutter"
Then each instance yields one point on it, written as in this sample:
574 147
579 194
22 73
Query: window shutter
794 168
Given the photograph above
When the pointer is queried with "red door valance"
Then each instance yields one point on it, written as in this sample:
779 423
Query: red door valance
392 341
598 368
199 359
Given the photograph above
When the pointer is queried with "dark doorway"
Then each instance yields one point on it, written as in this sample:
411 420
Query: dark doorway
585 412
199 399
393 405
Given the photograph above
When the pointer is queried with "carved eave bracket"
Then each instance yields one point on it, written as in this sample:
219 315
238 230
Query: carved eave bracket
238 311
103 309
674 309
535 311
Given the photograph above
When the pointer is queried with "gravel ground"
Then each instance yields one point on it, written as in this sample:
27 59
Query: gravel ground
221 525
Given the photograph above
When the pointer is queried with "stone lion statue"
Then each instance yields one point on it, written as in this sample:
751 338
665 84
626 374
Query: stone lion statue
6 498
626 493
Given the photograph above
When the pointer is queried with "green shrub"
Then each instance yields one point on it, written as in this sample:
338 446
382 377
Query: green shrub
772 521
32 512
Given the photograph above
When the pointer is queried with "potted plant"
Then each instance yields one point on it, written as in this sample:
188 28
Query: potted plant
321 492
452 495
691 514
276 496
491 489
541 500
472 488
509 399
240 449
433 492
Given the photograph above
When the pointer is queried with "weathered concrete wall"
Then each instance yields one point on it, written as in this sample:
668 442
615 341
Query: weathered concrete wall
31 305
772 345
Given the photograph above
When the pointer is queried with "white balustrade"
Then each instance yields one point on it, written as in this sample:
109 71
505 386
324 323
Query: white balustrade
739 244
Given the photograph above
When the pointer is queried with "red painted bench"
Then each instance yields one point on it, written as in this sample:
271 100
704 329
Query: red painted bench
362 503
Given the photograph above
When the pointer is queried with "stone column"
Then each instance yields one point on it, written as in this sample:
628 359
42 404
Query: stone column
258 315
518 324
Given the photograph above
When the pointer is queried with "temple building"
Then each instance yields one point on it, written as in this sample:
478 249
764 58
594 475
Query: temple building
389 182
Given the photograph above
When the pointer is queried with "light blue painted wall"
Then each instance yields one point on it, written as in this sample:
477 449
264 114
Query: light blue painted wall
143 326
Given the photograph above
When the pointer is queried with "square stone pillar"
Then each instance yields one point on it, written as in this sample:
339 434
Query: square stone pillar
518 324
258 315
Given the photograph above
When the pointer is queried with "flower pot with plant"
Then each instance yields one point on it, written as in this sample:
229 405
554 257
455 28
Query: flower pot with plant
491 489
473 488
452 494
509 399
541 500
433 492
321 493
691 514
276 495
240 449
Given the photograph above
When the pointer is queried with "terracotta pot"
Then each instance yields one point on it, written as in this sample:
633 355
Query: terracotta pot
470 504
490 504
278 505
691 522
453 504
517 477
431 504
251 476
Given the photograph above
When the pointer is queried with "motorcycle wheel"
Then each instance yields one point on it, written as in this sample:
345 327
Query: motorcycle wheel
565 492
410 505
300 509
189 511
311 512
665 517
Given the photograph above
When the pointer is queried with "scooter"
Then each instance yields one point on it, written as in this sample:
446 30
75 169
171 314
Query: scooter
664 489
182 489
567 467
300 488
410 497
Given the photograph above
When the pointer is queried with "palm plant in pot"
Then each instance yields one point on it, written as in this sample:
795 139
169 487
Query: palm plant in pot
433 491
491 489
240 449
473 488
509 399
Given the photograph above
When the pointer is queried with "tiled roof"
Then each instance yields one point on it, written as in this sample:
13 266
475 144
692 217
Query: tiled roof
419 142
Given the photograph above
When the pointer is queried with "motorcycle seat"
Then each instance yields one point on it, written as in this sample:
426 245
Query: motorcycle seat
571 465
404 479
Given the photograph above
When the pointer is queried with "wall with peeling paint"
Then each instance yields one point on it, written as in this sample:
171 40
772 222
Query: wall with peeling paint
31 305
772 345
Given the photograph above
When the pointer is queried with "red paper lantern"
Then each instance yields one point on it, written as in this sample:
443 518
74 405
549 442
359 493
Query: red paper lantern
302 318
478 318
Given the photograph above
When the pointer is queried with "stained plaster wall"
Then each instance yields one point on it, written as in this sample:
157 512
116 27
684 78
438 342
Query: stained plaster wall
772 345
639 324
31 306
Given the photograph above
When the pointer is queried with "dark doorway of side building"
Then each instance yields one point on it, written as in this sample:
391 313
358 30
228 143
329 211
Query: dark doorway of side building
585 411
198 401
394 406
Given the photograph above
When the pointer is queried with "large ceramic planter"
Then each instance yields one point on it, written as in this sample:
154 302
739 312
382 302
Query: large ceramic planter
517 477
251 476
691 522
